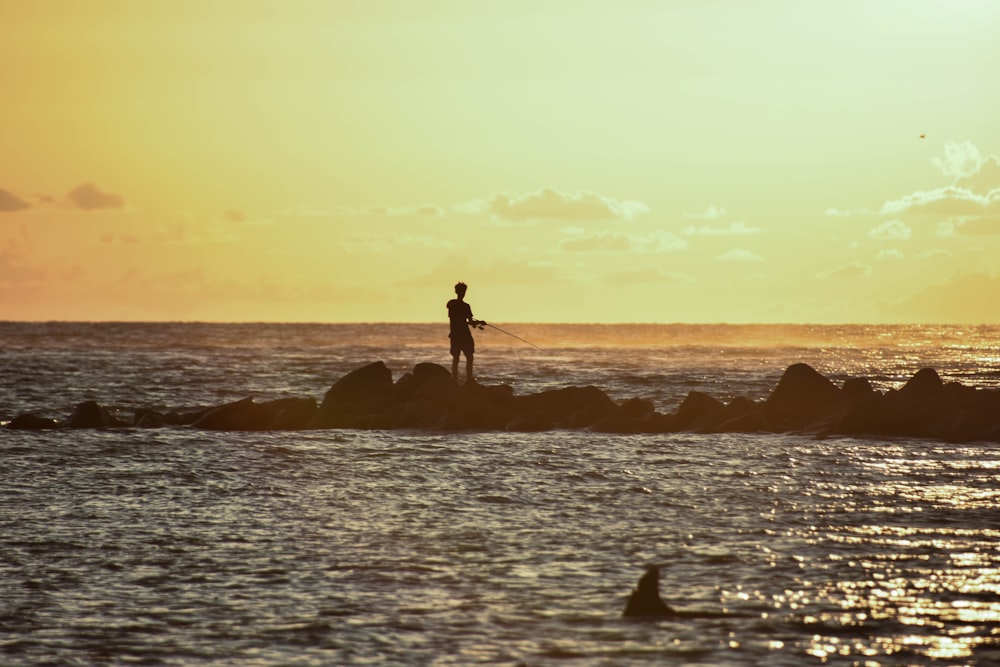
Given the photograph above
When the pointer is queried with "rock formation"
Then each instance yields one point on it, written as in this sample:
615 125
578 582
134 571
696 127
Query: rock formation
645 599
804 401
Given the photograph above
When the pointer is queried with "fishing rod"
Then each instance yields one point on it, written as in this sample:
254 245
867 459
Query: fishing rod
480 324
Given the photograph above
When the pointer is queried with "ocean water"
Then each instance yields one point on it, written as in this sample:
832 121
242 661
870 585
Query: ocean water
182 547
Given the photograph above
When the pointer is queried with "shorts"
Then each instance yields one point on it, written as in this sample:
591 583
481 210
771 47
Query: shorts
460 344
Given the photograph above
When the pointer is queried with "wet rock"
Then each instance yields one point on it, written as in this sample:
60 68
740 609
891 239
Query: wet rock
579 406
30 422
698 410
290 413
355 400
645 598
803 401
637 408
741 415
803 396
149 419
90 414
245 415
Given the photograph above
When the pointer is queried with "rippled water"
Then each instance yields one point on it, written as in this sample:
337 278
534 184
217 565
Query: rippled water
180 547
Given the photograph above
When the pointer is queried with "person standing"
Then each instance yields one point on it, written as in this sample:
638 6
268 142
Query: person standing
460 318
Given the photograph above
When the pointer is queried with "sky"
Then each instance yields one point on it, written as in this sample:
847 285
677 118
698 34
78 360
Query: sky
572 161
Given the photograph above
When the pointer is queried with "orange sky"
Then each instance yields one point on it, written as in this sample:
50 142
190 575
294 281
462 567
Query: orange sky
638 161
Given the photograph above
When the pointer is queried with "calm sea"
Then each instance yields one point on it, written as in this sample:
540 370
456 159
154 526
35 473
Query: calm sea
181 547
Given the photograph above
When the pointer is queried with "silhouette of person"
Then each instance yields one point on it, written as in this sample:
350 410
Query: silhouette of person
460 317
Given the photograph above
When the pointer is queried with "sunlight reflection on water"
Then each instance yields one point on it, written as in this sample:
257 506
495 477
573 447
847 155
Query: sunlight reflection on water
178 547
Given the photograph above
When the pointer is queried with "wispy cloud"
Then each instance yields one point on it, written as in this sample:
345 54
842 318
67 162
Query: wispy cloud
891 230
737 228
381 243
648 275
960 160
551 204
711 213
621 242
500 272
739 255
889 253
947 201
851 270
374 210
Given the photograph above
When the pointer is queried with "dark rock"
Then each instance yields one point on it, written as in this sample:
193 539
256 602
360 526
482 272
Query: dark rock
576 406
925 384
482 407
741 415
90 414
245 415
373 380
530 420
803 401
149 419
236 416
802 397
30 422
637 408
426 381
698 410
290 413
645 598
862 414
856 388
355 400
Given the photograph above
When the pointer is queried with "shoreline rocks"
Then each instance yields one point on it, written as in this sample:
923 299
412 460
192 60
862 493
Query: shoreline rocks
803 402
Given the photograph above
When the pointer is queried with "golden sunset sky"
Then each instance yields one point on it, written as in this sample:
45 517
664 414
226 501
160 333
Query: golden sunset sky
575 161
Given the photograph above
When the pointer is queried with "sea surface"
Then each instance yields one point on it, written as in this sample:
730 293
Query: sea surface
181 547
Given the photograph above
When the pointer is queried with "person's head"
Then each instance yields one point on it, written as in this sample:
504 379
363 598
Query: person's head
460 289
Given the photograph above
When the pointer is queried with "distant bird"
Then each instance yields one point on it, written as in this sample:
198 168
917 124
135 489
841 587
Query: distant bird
645 599
923 136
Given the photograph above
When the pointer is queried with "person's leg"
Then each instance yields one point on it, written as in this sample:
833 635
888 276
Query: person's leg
468 369
454 367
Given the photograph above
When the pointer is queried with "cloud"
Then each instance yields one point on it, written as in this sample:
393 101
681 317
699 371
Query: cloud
620 242
970 205
375 210
603 241
499 272
985 179
846 213
737 228
711 213
551 204
891 230
889 253
974 190
422 209
9 202
428 209
89 198
648 275
739 255
381 243
960 160
947 201
852 270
